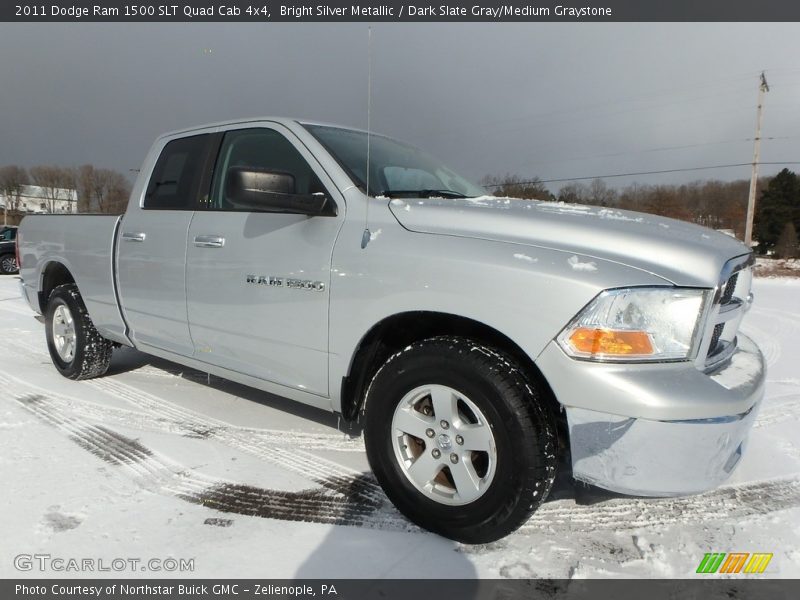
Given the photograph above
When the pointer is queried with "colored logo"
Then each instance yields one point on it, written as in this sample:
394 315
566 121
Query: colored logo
734 562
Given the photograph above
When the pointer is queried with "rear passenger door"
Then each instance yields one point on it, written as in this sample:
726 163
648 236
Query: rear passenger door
258 282
152 246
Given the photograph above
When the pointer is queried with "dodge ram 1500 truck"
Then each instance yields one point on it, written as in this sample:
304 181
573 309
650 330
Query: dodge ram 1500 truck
476 339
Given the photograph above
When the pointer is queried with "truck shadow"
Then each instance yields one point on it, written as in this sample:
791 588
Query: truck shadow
127 359
565 487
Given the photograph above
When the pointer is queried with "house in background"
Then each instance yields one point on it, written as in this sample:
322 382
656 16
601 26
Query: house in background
38 199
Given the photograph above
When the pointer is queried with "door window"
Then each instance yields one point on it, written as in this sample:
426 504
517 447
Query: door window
176 176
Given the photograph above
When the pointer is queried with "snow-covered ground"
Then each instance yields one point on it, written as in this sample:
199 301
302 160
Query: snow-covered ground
157 461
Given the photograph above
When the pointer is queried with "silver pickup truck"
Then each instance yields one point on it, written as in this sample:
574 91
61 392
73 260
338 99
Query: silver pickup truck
477 340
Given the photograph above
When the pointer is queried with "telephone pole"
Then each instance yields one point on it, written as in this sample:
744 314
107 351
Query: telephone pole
751 200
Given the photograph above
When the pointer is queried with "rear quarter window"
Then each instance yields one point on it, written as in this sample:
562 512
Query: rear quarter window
176 176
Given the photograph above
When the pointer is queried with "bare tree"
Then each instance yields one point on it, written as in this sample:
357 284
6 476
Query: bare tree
56 183
574 193
515 186
600 194
12 178
83 185
103 190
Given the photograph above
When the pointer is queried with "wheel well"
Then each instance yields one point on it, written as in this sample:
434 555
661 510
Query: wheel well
54 275
398 331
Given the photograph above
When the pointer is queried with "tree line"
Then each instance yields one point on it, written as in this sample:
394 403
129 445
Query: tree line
98 190
712 203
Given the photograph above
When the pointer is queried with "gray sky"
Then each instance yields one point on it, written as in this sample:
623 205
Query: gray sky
553 100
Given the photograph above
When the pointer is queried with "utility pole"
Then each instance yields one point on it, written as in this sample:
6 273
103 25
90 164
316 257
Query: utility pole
751 200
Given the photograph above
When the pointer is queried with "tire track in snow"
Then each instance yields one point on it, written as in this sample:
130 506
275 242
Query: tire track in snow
294 460
338 501
147 421
743 500
312 441
779 323
768 344
559 515
333 502
773 412
183 418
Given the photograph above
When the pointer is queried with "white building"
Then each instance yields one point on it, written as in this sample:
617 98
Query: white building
36 199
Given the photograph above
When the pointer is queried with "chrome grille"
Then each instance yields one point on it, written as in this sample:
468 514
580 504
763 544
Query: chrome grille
730 287
712 347
731 300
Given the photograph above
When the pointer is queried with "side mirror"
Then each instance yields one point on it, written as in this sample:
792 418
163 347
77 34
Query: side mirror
261 190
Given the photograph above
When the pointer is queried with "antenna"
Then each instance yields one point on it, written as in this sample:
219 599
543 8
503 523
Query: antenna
365 238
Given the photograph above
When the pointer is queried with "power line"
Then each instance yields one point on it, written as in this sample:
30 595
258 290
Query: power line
653 96
663 149
608 176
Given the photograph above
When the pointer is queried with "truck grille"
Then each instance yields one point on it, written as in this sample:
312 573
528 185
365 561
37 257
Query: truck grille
715 338
727 295
731 301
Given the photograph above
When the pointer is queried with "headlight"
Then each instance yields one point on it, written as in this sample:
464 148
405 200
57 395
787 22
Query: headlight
636 324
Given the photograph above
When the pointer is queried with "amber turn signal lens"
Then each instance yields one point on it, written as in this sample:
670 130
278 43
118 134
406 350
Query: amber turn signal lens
610 341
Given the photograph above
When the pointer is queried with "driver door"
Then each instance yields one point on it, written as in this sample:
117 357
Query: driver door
257 282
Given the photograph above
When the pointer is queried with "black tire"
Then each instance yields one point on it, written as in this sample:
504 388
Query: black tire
92 352
523 430
8 264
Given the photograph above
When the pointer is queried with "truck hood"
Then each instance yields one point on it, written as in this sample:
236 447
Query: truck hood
680 252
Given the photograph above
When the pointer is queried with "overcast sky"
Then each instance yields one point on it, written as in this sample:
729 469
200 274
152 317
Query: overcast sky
548 100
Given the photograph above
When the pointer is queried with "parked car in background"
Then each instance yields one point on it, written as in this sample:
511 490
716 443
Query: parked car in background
8 252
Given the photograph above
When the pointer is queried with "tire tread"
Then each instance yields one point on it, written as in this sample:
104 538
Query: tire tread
526 406
96 351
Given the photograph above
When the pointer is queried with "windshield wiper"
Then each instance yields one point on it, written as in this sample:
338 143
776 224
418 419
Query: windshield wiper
422 194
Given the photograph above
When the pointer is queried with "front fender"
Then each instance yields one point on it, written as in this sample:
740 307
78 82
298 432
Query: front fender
526 293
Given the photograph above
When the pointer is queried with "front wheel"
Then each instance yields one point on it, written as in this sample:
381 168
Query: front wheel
77 349
459 439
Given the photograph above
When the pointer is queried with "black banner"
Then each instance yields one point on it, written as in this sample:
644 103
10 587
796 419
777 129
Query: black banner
399 11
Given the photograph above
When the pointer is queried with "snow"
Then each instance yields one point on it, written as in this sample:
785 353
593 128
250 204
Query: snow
577 265
772 267
132 465
607 213
526 258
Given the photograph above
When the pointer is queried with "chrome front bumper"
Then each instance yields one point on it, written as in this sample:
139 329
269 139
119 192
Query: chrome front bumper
652 454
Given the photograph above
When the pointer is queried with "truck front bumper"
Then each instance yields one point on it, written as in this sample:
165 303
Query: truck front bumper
657 430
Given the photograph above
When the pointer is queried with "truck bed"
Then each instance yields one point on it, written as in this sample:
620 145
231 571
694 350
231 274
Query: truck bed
84 244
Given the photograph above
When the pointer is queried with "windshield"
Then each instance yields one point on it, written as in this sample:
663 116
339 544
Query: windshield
397 170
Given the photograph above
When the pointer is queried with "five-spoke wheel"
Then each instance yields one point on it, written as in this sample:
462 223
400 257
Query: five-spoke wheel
64 332
444 445
459 438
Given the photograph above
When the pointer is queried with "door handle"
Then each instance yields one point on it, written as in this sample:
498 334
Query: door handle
209 241
133 237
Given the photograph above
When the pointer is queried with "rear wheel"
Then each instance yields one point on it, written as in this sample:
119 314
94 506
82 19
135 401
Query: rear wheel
77 349
8 264
459 439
